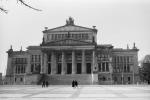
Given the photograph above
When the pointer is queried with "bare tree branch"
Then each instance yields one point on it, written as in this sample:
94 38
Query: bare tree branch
22 2
3 10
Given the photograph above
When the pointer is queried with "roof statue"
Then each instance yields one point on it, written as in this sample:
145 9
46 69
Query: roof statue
127 46
70 21
134 47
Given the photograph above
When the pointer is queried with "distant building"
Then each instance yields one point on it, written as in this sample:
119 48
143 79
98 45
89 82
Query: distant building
144 71
1 81
71 52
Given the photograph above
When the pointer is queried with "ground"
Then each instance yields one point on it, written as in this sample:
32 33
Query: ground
84 92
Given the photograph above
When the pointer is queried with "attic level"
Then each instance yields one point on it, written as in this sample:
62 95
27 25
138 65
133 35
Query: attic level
70 31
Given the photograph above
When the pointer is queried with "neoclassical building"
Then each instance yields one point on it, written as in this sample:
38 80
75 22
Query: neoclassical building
71 52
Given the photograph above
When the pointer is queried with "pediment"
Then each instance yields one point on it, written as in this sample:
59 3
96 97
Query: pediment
69 42
68 28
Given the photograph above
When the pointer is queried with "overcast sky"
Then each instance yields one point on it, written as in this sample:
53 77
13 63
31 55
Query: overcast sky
119 22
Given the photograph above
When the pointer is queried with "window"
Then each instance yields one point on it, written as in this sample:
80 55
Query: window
125 69
19 69
49 68
15 79
107 67
32 67
69 68
59 68
99 67
16 69
21 79
115 79
88 68
52 36
22 69
129 78
79 68
128 68
49 58
103 67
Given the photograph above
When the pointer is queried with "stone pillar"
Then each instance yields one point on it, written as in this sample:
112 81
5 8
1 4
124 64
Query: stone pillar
105 66
110 67
73 63
42 63
83 63
93 62
101 67
45 63
126 62
63 63
28 68
53 63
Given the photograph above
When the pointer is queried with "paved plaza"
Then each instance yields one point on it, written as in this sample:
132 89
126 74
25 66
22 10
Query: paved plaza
84 92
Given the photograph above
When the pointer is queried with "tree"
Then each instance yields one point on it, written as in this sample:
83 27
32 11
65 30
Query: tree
23 3
145 73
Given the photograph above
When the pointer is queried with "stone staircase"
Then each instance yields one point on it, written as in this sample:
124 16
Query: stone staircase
85 79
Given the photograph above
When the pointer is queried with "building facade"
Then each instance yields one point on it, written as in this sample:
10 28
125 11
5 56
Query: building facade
71 52
1 80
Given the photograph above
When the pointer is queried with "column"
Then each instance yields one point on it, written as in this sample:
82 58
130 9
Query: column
105 66
83 63
53 63
42 63
110 67
45 63
73 63
93 62
28 69
63 63
101 67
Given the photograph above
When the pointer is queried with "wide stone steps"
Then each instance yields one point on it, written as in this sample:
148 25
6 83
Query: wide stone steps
67 79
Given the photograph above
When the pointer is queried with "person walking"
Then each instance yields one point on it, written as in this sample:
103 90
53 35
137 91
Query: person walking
47 83
43 84
73 83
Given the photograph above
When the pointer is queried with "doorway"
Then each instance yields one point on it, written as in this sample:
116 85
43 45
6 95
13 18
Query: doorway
88 68
79 68
69 68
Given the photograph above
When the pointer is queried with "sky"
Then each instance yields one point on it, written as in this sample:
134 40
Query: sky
119 22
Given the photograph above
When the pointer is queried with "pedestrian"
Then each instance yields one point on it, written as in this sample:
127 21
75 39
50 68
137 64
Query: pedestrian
76 83
73 83
43 84
47 83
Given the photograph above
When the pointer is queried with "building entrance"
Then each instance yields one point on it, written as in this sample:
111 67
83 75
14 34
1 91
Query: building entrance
88 68
69 68
59 68
79 68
